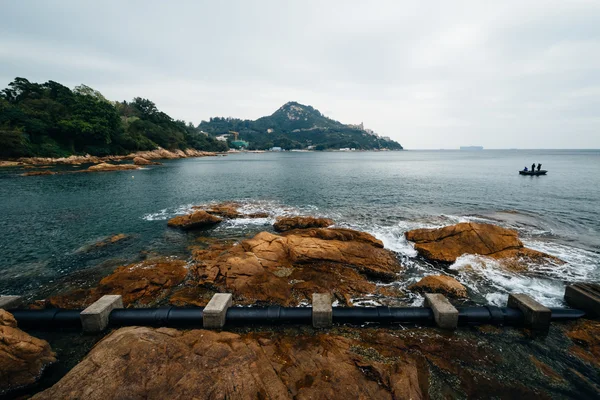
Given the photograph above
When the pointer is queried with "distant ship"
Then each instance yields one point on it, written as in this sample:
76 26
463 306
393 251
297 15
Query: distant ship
471 148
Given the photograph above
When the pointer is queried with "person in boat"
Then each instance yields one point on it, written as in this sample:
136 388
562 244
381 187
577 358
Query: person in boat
525 169
539 167
533 167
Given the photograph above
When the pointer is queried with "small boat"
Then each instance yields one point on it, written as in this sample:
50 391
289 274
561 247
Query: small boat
533 173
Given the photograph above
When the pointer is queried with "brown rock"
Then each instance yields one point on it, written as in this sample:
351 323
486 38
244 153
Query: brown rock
288 223
585 335
191 296
287 269
10 163
112 167
166 363
141 283
225 210
440 284
143 161
23 358
38 173
448 243
195 220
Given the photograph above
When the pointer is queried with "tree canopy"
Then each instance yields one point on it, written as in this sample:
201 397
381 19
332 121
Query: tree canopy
51 120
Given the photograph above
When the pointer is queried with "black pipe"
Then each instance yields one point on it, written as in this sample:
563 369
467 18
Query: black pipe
48 319
385 315
274 315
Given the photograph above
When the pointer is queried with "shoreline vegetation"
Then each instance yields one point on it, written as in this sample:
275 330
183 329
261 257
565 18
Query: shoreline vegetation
50 120
284 265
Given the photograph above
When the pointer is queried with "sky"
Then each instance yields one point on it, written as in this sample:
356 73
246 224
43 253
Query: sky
429 74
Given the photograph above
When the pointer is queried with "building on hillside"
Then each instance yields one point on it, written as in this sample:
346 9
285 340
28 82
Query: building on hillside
222 138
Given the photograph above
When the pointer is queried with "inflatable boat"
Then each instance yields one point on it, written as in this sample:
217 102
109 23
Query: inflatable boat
533 173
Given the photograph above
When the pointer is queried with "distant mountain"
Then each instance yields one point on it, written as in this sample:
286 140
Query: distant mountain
296 126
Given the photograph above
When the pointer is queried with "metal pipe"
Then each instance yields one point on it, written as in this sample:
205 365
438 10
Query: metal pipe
276 315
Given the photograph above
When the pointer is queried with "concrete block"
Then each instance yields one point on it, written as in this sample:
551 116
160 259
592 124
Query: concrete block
446 315
537 317
322 310
584 296
215 312
95 317
10 302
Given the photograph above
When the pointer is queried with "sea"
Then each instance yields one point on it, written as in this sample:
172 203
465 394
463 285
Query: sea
50 224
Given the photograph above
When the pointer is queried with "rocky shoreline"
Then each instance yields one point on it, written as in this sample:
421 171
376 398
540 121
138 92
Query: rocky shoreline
284 266
106 163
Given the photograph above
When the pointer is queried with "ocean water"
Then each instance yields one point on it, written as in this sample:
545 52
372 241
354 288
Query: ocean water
49 223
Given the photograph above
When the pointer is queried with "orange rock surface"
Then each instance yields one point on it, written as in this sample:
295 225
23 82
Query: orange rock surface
448 243
288 223
440 284
22 357
195 220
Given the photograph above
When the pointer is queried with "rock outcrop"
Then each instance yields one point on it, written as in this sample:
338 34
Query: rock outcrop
366 363
23 358
143 161
196 220
440 284
287 269
229 210
141 283
288 223
166 363
448 243
112 167
38 173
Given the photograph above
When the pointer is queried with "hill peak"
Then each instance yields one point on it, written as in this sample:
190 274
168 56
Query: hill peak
294 111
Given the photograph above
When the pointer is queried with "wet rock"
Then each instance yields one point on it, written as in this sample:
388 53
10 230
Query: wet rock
195 220
448 243
585 335
166 363
443 284
142 283
23 358
228 210
118 238
224 210
112 167
287 269
38 173
288 223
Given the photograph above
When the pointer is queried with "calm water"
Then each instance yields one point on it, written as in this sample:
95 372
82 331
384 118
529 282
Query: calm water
48 221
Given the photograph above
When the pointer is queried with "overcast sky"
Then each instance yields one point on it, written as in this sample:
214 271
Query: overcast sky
501 74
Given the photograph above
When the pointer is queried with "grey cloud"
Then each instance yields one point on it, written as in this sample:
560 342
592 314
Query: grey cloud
430 74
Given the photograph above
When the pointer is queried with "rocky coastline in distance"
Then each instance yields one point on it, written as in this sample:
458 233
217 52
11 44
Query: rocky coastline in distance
284 266
137 160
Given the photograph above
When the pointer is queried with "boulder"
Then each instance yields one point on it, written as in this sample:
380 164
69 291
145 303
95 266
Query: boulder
23 358
287 269
166 363
448 243
443 284
197 219
142 283
112 167
288 223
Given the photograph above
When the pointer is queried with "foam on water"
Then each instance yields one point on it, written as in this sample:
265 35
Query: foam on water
494 282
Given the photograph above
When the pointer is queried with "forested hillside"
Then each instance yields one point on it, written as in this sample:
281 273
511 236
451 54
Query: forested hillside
296 126
51 120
